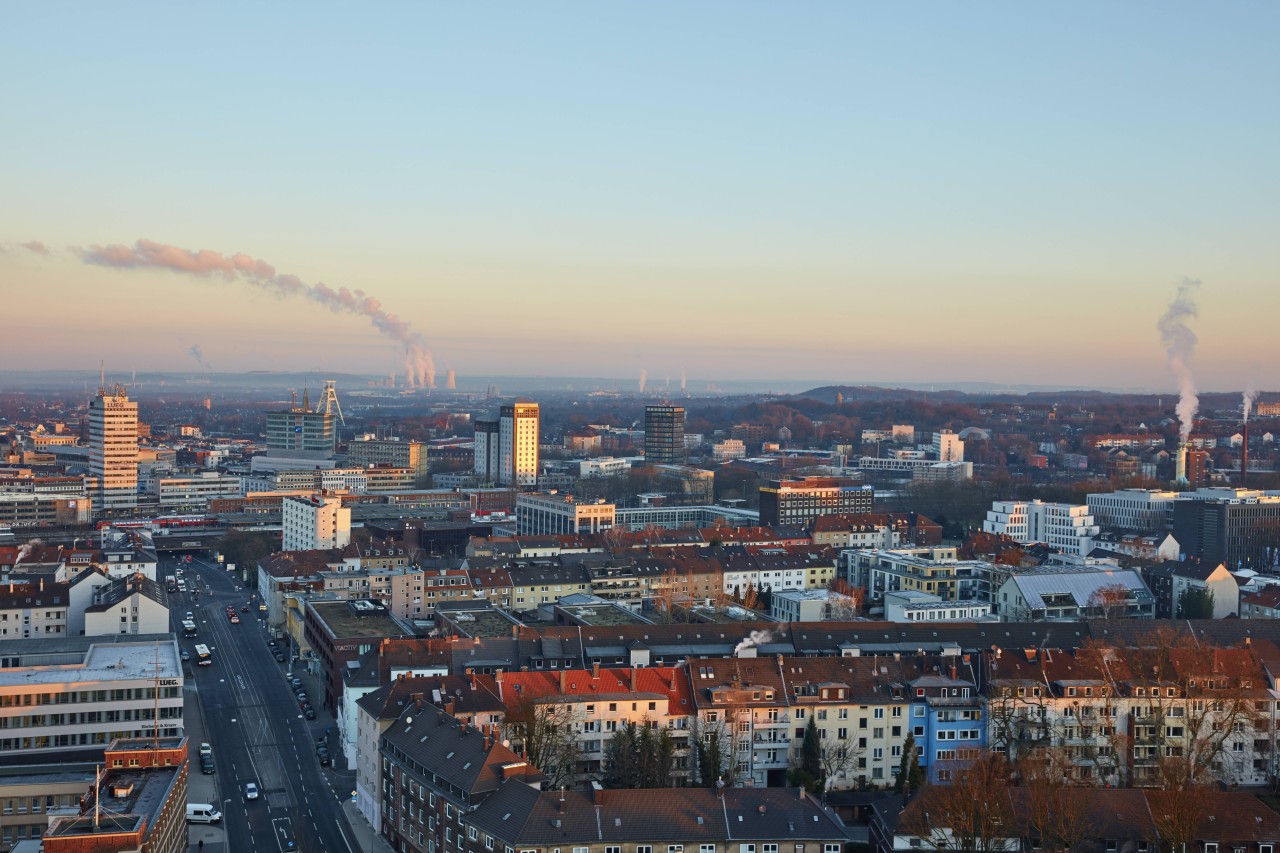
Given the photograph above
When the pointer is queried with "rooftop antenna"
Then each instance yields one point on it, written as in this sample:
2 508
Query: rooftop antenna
102 385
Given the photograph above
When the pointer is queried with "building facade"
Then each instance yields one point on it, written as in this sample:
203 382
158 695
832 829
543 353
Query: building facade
518 445
664 434
314 522
549 513
788 502
113 449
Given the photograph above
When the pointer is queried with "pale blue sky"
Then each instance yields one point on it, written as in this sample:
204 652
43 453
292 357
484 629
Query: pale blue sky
930 192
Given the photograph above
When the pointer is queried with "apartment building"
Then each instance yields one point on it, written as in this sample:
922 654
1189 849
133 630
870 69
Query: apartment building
1133 510
933 570
389 453
1117 714
1065 527
862 708
113 449
787 502
1084 593
314 522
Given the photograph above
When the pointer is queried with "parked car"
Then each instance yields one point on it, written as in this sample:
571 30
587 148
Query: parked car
295 683
323 755
309 713
206 765
185 655
205 749
271 643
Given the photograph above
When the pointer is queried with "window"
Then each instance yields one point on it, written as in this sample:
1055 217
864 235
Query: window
472 833
1211 847
643 848
768 848
671 848
751 848
711 848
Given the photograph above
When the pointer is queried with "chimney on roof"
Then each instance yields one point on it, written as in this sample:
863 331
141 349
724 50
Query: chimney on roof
597 794
635 678
449 706
564 681
562 799
595 670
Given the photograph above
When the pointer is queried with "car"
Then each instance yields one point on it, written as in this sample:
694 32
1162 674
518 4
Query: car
325 760
279 657
309 713
301 695
206 765
250 791
185 655
205 749
303 704
190 615
295 682
272 642
244 609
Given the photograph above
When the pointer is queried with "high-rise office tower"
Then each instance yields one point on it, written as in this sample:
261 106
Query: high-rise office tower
486 451
664 434
518 444
113 449
300 428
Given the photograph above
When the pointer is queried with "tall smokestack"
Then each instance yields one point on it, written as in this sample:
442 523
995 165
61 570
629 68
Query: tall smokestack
451 380
1180 465
1244 455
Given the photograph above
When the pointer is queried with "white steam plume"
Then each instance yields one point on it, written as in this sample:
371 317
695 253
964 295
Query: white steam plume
198 354
148 254
756 638
1179 341
644 377
1250 395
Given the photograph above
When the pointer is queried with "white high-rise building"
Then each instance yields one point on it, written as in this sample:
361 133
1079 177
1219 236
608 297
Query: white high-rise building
948 447
1067 527
315 522
1140 510
518 445
113 449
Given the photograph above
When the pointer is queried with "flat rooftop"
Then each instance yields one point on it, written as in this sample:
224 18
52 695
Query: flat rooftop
128 798
604 614
345 622
483 622
74 660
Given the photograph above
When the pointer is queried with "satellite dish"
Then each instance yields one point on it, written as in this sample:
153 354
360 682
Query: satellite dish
408 721
506 743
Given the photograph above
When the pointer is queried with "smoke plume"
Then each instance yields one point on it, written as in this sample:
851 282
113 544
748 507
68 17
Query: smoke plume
756 638
644 377
198 354
1179 341
1250 395
148 254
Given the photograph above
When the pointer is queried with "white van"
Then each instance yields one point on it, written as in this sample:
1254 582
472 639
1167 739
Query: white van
202 813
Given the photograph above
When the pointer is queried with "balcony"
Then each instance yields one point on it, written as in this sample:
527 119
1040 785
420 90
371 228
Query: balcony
762 742
781 721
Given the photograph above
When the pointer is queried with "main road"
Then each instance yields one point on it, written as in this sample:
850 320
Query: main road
255 727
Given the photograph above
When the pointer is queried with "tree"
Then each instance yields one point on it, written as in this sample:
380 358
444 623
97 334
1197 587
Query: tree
846 607
1195 603
974 812
1057 813
245 549
546 733
809 773
639 756
712 745
1110 601
910 773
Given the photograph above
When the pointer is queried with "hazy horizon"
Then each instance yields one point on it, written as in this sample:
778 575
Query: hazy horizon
1007 194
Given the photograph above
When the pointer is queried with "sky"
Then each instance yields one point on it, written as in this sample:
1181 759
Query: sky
849 192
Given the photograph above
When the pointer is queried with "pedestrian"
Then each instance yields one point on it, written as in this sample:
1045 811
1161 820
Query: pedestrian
200 846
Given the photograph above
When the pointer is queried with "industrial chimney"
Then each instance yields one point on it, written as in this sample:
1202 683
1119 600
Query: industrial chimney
1180 465
1244 456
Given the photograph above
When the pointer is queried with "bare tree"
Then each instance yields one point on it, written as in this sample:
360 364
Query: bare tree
545 732
973 813
1110 601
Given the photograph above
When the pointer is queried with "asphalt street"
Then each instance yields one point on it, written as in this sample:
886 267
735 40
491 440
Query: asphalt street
257 731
